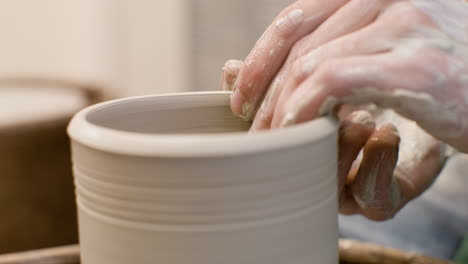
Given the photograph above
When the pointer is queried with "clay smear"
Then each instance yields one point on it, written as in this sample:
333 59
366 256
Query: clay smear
449 15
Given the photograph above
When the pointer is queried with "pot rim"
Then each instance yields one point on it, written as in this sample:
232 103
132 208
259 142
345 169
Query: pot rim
84 132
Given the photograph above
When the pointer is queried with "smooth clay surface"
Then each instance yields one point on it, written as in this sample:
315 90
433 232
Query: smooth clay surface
169 116
176 179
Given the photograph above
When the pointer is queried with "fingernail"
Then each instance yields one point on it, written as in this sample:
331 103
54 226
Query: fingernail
392 128
242 107
247 111
289 119
226 85
229 76
363 118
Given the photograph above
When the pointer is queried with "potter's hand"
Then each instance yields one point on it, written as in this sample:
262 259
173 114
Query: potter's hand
385 160
396 161
410 56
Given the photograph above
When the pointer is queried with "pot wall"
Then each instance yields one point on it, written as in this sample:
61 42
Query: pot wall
265 199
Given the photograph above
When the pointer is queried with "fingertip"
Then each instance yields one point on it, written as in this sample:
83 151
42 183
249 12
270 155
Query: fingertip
230 82
229 74
233 65
362 117
290 112
391 131
261 121
237 100
242 107
354 132
247 111
376 189
289 119
384 207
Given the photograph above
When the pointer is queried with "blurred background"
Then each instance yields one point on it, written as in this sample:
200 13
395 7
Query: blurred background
59 56
130 47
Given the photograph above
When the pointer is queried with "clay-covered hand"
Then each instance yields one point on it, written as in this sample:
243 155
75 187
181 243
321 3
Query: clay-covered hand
407 55
385 161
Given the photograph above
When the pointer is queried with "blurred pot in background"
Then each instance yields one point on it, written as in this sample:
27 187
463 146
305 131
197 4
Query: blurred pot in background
36 186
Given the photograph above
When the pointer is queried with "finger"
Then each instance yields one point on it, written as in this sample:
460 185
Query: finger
356 18
421 156
264 114
348 205
362 43
344 80
398 80
375 189
359 35
353 135
404 80
269 53
343 111
229 75
420 159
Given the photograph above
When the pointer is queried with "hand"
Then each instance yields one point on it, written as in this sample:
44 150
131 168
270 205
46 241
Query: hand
378 172
410 56
396 161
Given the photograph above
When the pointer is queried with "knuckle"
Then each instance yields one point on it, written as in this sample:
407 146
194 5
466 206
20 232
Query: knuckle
418 17
297 74
295 51
327 72
413 19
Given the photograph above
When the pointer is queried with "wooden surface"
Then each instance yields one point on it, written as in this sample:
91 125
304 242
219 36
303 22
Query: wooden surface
367 253
351 252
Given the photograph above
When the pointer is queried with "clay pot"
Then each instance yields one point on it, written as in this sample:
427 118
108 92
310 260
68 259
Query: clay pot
176 179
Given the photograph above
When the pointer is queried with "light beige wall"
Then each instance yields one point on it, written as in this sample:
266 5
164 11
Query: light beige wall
225 29
58 39
154 46
130 47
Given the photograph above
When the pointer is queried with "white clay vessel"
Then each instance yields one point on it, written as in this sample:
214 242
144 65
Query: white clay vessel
176 179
